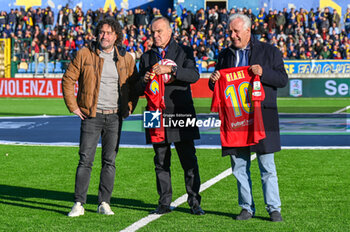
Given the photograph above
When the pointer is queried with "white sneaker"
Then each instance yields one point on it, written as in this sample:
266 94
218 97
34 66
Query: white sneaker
104 208
77 210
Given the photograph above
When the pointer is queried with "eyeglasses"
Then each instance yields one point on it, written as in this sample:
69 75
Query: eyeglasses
109 33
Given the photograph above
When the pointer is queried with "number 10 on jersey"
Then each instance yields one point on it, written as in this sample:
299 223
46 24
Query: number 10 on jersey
240 98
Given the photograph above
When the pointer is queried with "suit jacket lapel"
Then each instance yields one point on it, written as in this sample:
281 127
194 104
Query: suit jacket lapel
254 49
153 56
172 51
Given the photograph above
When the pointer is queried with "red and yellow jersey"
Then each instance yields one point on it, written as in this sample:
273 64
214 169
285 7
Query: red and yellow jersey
154 93
237 97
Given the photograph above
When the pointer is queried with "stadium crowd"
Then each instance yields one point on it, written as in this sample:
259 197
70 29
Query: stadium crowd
299 34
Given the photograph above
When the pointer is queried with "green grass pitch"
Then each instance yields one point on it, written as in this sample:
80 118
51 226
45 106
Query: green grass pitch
41 106
37 183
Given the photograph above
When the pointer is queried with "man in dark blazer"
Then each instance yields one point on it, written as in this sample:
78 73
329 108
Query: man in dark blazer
266 61
179 105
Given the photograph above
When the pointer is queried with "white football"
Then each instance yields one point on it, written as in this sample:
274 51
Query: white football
167 78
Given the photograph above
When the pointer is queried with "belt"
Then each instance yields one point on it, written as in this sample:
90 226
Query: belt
113 111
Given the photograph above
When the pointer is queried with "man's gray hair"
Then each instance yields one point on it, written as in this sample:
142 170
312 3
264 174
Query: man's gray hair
247 23
166 20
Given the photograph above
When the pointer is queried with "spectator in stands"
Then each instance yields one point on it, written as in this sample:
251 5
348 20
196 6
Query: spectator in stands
34 47
261 17
271 20
280 20
347 21
291 19
257 30
336 18
70 44
61 19
79 43
325 17
249 14
325 53
130 19
38 18
318 47
7 31
82 24
334 28
12 19
71 18
49 20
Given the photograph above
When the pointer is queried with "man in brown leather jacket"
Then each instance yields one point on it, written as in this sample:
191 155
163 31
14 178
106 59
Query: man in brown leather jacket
104 72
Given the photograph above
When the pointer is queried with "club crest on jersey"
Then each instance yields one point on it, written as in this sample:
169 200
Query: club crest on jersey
154 86
256 85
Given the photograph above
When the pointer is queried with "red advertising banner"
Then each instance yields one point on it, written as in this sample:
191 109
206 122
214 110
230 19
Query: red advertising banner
51 88
32 87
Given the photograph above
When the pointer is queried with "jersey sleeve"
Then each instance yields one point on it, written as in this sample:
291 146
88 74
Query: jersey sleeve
215 103
258 93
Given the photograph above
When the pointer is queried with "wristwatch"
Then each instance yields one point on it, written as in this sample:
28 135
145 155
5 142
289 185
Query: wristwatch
173 70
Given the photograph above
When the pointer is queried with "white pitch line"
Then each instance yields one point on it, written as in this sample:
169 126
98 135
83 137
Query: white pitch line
207 147
341 110
144 221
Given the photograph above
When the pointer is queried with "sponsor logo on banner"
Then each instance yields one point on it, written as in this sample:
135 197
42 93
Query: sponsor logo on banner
296 88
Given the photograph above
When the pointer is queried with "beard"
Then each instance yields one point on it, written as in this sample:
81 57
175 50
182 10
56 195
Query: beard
105 44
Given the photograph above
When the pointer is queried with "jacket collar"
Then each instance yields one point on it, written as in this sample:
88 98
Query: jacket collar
170 51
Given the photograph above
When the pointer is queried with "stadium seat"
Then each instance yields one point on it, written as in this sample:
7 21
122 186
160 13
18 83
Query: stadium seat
211 69
41 68
50 67
58 67
23 67
31 67
21 70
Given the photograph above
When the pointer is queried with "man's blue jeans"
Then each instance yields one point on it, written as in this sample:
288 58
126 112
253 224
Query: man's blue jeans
108 127
241 170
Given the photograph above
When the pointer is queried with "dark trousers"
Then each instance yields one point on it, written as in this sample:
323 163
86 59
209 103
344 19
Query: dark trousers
187 155
108 126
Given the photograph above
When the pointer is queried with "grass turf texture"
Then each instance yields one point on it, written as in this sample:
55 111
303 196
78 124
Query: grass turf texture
37 184
41 106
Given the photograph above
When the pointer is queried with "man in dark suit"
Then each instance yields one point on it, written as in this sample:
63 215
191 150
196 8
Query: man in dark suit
265 61
178 102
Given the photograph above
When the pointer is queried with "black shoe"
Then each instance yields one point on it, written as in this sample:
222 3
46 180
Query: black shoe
161 209
197 210
276 216
244 215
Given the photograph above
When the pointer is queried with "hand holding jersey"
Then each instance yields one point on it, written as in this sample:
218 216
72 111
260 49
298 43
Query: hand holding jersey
164 68
255 68
154 93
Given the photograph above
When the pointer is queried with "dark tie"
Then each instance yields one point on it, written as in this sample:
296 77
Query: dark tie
242 58
163 53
